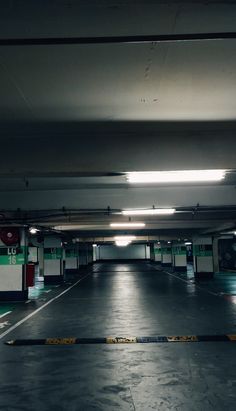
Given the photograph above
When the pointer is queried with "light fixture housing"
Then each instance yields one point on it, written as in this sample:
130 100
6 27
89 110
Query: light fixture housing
127 225
122 243
151 211
33 230
178 176
125 237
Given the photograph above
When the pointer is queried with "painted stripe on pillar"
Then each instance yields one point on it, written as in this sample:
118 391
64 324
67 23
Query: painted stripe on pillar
202 250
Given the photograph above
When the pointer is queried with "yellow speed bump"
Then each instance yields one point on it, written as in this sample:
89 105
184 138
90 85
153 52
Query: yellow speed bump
60 341
183 338
121 340
232 337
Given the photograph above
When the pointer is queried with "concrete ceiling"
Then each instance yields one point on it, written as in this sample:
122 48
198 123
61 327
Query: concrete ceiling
75 118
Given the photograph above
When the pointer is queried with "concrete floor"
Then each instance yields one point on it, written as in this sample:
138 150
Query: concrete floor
125 299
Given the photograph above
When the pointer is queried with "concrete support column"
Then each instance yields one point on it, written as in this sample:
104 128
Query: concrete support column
157 253
215 250
36 254
166 255
152 254
13 261
203 257
147 251
41 261
90 253
98 252
95 252
72 260
83 254
54 260
179 257
86 254
226 249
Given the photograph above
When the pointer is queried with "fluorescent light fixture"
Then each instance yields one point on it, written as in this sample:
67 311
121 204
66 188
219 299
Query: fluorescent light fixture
122 243
124 240
179 176
188 243
127 225
94 245
125 237
168 242
152 211
33 230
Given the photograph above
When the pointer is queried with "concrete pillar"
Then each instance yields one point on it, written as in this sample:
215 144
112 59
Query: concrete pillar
54 260
226 250
147 252
98 253
41 261
203 257
215 249
36 255
72 260
152 254
90 253
166 255
157 253
83 254
86 254
94 252
179 257
13 261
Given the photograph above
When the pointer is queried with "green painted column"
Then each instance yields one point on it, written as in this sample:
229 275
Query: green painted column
13 261
166 254
54 260
72 258
203 257
179 257
157 252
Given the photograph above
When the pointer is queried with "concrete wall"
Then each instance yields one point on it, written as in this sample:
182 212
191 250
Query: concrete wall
133 251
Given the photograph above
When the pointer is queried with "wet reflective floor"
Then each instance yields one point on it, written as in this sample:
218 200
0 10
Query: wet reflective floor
125 299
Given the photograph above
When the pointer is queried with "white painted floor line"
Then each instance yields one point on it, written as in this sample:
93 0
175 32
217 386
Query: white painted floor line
48 291
187 281
3 315
13 327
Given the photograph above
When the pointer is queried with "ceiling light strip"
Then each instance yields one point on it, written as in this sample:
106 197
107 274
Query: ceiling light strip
179 176
127 225
153 211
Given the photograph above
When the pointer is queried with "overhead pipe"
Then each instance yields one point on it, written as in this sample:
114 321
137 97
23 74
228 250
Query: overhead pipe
133 39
